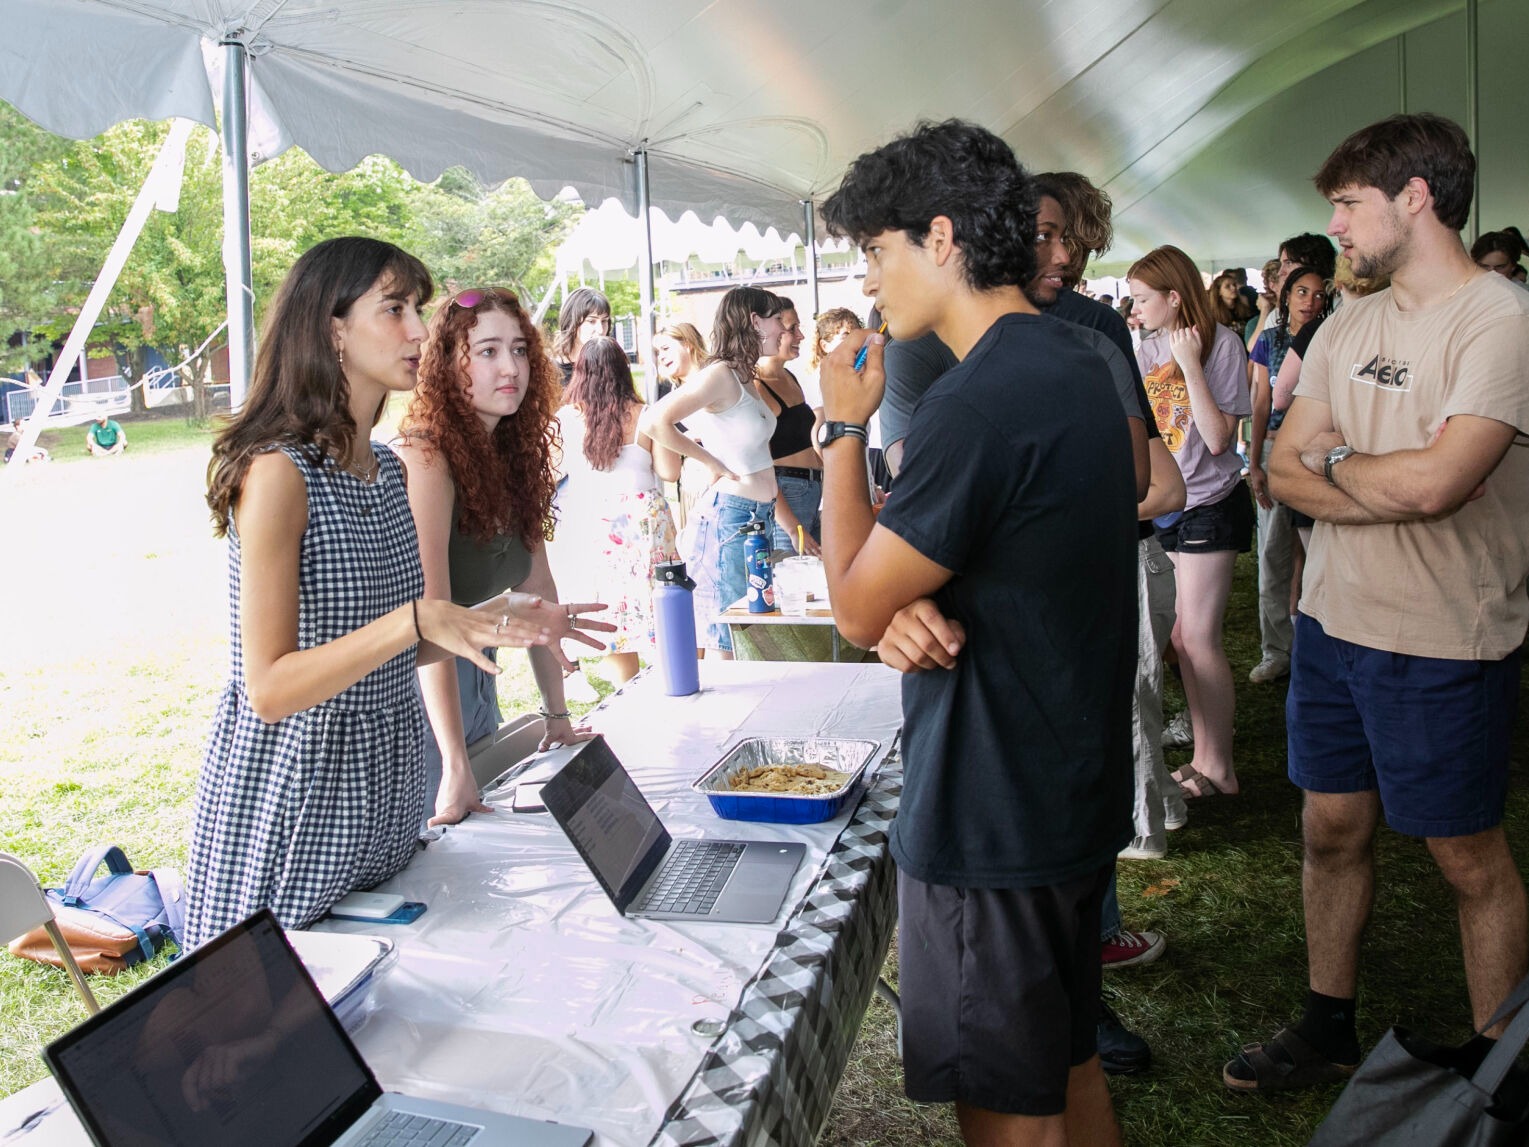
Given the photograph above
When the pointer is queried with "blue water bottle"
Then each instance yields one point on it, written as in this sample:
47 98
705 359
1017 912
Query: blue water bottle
674 619
756 565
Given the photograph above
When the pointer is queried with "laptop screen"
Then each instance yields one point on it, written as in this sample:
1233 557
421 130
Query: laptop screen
230 1045
605 816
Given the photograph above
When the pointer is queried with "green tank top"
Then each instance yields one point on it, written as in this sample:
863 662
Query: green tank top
479 570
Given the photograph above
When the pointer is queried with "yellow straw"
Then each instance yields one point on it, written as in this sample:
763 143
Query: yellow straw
801 546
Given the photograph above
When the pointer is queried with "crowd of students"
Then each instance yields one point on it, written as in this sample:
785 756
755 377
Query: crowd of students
1067 503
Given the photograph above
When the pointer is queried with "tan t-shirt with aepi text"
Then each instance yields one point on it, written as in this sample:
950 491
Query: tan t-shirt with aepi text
1454 587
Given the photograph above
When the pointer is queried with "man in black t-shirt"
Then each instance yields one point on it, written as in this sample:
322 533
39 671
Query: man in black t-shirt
1016 514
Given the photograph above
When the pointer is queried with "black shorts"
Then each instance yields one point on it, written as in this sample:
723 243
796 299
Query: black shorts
1214 527
1000 991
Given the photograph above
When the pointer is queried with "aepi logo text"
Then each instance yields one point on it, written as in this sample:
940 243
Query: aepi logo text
1387 373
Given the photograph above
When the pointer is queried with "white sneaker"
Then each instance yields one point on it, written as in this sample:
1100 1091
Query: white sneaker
1142 848
1180 732
1175 811
1271 668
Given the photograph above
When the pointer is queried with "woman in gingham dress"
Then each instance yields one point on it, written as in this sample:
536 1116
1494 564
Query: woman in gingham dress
312 784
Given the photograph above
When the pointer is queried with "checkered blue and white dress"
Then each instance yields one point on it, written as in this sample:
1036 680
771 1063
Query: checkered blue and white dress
296 814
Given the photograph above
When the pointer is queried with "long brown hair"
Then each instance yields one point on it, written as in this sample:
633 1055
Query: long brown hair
734 340
602 389
577 307
504 480
1169 269
298 394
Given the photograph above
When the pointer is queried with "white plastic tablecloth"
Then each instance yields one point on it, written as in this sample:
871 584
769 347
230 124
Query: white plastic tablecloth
522 990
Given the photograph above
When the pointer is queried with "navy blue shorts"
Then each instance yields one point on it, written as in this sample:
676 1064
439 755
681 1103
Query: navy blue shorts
1431 733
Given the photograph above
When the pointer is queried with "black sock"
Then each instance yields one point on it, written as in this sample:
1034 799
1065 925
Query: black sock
1328 1025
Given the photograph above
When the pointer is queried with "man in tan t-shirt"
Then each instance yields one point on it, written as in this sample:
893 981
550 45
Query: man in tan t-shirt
1406 442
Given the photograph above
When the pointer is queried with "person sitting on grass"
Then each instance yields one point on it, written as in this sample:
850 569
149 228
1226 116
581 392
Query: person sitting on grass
105 437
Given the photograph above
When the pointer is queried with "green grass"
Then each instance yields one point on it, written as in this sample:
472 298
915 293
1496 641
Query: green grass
105 750
104 747
1228 897
156 432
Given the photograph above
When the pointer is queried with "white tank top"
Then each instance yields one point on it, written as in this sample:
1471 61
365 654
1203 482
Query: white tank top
738 437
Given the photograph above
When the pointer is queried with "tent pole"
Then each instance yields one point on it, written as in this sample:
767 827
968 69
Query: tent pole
810 226
645 279
238 279
1473 106
161 186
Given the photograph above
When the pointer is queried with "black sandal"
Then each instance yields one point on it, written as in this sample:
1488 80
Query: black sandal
1304 1067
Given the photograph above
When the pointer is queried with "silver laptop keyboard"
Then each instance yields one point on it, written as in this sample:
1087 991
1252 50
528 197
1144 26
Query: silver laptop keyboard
693 876
404 1130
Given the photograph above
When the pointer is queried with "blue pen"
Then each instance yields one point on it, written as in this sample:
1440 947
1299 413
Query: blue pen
866 349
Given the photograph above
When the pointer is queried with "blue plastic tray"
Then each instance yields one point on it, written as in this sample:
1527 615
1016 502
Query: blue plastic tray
846 756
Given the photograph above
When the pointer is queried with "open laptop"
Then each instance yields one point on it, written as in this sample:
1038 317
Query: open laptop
233 1045
645 871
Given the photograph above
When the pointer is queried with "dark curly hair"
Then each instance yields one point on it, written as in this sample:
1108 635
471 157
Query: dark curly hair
955 169
1297 273
1387 154
504 480
603 390
298 394
1090 231
1312 251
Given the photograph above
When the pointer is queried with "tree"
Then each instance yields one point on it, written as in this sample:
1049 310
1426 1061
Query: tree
471 236
63 203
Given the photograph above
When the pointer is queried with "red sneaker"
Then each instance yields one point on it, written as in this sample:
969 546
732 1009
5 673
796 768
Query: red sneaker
1126 949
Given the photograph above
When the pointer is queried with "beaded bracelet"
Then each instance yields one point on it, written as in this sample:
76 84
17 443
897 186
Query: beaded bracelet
553 716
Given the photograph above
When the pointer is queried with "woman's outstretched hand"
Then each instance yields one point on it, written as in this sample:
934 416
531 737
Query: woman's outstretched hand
468 632
560 621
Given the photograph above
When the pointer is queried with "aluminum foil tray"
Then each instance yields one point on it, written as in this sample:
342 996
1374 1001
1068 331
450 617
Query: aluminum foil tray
784 808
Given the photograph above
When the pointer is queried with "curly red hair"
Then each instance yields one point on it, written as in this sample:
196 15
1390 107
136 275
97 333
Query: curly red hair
504 481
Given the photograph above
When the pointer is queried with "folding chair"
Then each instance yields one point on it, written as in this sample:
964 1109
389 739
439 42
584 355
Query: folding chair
23 907
492 756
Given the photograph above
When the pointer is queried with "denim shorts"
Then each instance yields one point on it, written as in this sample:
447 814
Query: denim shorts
715 558
1214 527
1431 733
804 496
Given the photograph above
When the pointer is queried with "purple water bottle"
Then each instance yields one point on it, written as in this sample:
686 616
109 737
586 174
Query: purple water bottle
674 619
756 567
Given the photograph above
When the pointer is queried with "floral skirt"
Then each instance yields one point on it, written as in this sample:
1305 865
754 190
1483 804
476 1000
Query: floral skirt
637 534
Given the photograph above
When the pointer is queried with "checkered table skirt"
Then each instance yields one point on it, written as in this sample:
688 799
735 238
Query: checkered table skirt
770 1078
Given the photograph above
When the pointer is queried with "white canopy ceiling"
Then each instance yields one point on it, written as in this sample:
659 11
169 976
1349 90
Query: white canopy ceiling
1202 118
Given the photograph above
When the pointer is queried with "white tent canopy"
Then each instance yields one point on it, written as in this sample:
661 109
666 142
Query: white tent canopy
607 238
1202 118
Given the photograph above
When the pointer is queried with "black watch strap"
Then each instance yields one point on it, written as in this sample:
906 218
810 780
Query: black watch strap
833 431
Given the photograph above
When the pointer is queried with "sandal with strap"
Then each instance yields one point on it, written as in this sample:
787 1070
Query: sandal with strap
1296 1065
1195 784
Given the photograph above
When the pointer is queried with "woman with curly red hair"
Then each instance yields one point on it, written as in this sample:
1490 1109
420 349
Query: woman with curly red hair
476 442
615 524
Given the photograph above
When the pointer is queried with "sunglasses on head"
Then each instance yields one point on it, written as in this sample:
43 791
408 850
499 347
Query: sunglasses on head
470 298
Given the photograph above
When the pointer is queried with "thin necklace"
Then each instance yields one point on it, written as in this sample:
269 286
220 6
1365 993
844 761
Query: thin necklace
1463 281
366 473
